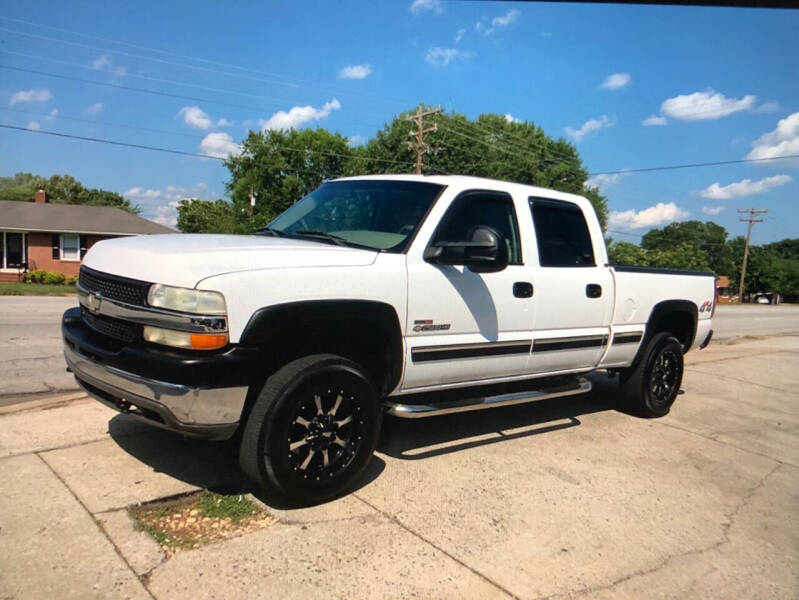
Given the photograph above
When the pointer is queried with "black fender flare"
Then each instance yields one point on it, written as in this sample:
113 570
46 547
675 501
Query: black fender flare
271 323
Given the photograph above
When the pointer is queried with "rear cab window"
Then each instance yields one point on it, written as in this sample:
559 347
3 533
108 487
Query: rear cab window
562 234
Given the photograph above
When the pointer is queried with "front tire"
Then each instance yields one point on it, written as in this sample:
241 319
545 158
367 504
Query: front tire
312 429
650 387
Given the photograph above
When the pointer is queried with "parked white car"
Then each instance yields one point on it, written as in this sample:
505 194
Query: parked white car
371 295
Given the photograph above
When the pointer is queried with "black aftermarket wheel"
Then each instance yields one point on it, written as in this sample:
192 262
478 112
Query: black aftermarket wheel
313 428
650 387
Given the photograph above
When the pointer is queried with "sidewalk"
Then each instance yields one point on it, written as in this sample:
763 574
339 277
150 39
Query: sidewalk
563 498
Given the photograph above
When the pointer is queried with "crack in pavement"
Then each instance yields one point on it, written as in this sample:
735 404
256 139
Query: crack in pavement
723 443
102 531
395 519
725 539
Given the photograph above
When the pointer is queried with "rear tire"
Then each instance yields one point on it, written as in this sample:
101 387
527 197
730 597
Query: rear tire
312 429
650 387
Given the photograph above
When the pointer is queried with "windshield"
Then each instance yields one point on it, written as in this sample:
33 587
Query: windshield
379 214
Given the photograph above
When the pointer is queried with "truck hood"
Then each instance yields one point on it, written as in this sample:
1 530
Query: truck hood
185 259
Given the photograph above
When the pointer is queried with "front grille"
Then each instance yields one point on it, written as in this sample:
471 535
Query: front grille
130 291
114 328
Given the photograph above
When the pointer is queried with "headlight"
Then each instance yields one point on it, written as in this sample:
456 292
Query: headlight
186 300
184 339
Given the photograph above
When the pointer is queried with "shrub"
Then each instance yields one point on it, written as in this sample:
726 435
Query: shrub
42 276
72 280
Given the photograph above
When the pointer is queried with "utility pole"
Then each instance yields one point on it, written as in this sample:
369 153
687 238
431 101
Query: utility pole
751 220
418 145
252 201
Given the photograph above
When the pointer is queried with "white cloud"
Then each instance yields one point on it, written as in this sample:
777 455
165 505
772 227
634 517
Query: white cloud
500 22
509 17
420 6
459 35
224 123
220 145
53 114
616 81
705 105
355 72
194 116
441 57
166 215
745 187
35 95
654 216
104 63
767 107
34 125
94 109
653 120
511 119
298 116
783 141
139 193
712 210
356 140
160 205
603 181
590 125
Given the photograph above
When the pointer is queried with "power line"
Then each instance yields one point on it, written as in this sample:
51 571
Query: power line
112 142
694 165
290 82
131 88
59 116
172 151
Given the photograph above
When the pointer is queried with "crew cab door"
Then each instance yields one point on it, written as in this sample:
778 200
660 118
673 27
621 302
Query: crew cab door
464 325
574 289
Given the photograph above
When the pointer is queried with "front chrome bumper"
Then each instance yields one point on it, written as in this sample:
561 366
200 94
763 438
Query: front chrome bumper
212 413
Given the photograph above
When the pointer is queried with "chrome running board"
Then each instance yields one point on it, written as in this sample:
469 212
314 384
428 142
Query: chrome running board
416 411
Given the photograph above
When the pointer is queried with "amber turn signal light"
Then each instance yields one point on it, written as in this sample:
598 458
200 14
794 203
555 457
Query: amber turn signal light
208 341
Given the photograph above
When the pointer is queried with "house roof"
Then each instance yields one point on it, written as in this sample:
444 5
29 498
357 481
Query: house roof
73 218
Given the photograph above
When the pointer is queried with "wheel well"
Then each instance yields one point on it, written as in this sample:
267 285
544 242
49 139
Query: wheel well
677 317
366 332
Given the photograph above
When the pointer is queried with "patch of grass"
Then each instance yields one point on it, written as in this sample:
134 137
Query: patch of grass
234 507
35 289
198 519
158 535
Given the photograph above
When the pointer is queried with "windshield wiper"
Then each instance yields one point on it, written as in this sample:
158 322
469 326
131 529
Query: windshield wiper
270 231
340 241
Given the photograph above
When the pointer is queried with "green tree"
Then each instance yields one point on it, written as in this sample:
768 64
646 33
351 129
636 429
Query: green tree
279 167
708 237
206 216
626 253
488 146
61 189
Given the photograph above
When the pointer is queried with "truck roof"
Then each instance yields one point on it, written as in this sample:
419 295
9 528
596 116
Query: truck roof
469 182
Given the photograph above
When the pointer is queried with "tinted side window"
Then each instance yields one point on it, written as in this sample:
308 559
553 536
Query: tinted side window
474 209
562 233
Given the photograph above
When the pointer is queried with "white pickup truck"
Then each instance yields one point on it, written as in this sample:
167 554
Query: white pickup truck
411 295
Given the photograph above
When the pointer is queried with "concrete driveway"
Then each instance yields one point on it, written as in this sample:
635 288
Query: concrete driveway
560 499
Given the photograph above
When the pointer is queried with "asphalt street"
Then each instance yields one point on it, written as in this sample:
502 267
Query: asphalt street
30 341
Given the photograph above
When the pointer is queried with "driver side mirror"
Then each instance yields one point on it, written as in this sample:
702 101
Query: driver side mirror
484 252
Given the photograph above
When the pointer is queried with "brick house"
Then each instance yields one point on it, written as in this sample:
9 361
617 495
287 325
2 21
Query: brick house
54 237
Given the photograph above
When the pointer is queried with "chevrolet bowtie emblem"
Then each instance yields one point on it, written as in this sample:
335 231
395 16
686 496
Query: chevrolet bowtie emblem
93 302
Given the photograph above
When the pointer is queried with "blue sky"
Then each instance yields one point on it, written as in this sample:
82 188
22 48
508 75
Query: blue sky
631 86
